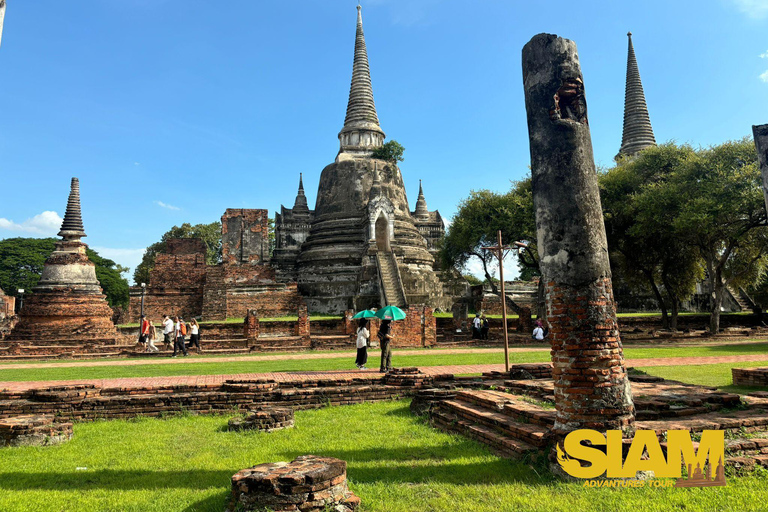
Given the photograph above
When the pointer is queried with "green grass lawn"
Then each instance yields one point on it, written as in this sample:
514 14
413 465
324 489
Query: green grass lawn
396 463
400 358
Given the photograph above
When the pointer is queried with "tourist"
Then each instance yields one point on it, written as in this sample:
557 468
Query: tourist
143 329
538 331
385 336
151 337
179 329
168 331
484 327
476 327
194 335
363 334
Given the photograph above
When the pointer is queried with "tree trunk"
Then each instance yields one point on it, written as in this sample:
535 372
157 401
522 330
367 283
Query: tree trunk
674 302
675 310
659 299
717 286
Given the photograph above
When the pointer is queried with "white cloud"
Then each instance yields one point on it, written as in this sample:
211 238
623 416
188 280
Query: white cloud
764 76
756 9
764 55
47 223
126 257
167 206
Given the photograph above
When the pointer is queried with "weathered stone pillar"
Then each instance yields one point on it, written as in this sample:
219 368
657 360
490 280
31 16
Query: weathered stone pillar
302 324
251 325
761 143
591 385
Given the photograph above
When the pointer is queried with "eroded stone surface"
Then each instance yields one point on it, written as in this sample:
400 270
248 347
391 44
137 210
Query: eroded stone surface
264 418
309 483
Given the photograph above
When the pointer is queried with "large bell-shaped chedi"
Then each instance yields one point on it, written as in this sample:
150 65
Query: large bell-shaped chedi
67 306
363 248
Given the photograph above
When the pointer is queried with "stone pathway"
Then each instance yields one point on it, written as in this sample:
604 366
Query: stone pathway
163 357
299 376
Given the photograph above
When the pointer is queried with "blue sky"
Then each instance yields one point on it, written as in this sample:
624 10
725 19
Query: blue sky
171 111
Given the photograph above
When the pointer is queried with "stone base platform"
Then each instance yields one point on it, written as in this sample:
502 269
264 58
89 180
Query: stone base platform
265 419
750 376
515 417
308 484
33 430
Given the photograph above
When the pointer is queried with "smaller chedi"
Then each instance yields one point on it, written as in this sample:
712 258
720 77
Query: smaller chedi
67 306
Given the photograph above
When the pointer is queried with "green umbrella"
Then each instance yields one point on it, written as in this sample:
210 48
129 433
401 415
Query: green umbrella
390 313
366 313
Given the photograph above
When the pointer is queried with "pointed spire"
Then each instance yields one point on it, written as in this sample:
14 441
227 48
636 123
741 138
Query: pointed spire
361 125
300 205
422 212
638 133
72 226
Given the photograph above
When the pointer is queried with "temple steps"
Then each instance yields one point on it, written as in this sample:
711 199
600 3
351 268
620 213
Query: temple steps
506 423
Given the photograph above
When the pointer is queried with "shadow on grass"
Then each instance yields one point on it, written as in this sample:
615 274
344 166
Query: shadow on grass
217 502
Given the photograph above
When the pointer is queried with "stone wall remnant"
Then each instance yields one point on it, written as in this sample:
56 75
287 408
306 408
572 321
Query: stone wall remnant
264 418
33 430
309 484
591 386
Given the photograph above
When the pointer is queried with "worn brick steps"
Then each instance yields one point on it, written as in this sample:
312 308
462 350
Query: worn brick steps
532 434
749 420
500 443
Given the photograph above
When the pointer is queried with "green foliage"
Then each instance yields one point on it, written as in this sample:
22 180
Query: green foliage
390 151
209 233
472 280
478 220
22 260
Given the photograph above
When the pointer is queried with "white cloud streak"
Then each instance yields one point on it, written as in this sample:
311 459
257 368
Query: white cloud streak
167 206
755 9
44 224
126 257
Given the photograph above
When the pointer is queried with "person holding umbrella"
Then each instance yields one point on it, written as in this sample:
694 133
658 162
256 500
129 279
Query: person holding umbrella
387 314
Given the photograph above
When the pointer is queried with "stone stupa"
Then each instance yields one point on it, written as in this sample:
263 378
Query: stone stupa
67 306
364 248
638 133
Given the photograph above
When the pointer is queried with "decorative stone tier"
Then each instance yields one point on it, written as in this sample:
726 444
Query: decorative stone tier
750 376
309 484
33 430
264 418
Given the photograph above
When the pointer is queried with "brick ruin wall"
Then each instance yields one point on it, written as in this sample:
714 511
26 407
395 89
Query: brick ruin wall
245 236
750 376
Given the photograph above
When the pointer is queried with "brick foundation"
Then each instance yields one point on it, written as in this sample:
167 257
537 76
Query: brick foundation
33 430
264 418
750 376
308 484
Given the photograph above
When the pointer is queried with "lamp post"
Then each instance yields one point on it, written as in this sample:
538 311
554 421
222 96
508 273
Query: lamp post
500 252
21 299
143 289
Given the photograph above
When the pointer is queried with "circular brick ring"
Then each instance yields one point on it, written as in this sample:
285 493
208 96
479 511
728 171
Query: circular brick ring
264 418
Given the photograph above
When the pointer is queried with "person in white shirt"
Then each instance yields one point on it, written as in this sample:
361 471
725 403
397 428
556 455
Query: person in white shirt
476 324
538 331
194 335
151 337
168 331
363 334
178 333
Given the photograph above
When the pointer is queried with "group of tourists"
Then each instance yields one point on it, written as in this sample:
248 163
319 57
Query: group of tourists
174 333
363 342
480 327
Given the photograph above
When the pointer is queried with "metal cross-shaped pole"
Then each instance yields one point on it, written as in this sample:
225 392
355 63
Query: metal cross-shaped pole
499 250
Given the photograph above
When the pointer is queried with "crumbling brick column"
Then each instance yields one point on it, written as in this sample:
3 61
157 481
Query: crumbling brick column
760 133
251 325
302 324
524 322
591 385
349 323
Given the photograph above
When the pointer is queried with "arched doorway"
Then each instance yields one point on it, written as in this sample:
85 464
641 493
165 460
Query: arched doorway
382 234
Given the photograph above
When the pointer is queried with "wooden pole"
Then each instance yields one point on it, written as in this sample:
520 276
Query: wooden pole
503 304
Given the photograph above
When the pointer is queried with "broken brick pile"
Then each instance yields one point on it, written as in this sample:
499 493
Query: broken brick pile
308 484
264 418
750 376
405 377
33 430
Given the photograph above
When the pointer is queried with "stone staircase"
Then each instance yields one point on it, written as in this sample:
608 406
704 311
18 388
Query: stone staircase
389 277
510 425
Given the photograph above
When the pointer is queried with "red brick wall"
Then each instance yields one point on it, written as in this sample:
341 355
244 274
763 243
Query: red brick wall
419 329
587 357
244 234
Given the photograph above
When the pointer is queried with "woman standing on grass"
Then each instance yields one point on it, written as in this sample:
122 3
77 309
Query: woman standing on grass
194 337
363 334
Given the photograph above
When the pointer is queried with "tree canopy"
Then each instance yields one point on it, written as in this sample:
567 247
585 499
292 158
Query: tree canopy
209 233
22 260
391 151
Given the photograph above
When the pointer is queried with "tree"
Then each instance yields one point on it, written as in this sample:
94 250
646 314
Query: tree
22 261
722 213
639 208
390 151
477 222
209 233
